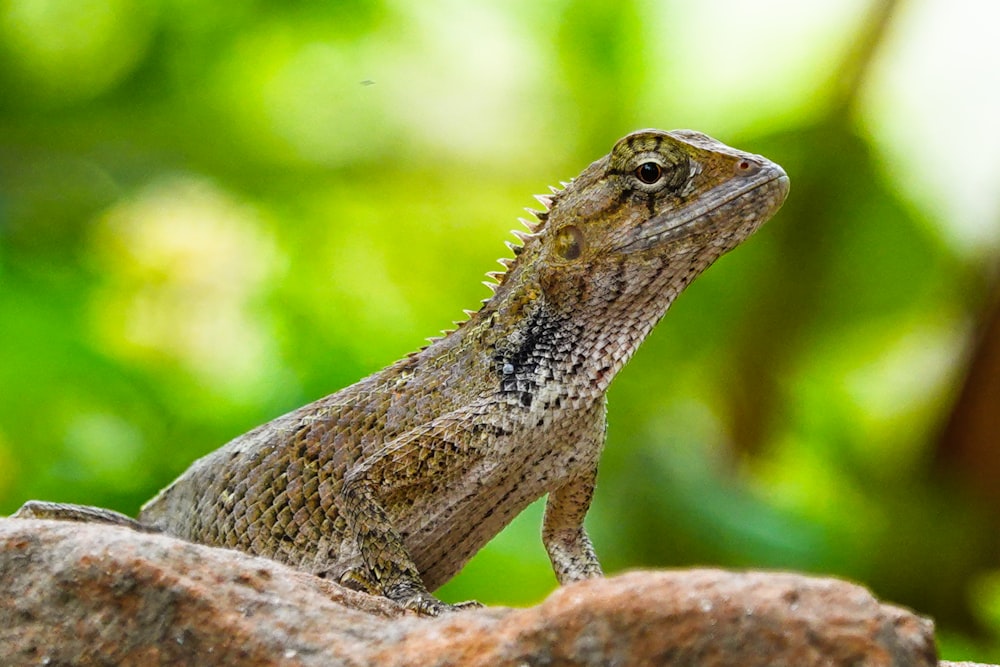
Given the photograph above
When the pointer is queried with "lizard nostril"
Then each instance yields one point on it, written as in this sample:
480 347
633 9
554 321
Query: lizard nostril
747 167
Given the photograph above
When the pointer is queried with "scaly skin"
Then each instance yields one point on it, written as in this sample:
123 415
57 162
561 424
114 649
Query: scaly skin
392 484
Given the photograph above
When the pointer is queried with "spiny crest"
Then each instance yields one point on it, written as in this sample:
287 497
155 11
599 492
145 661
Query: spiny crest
535 226
523 237
496 278
458 324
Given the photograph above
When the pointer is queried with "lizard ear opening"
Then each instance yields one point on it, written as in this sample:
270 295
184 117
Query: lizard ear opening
569 242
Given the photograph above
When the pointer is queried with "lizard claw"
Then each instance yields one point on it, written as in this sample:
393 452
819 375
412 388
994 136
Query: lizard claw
416 598
426 604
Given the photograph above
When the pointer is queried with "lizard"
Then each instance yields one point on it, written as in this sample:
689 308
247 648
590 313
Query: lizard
392 484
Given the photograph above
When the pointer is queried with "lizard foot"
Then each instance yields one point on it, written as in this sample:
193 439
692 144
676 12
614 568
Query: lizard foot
426 604
416 598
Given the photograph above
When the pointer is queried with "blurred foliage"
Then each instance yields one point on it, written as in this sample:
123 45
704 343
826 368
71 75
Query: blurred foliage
211 213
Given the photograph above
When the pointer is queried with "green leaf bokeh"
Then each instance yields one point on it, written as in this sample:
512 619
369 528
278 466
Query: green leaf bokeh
212 213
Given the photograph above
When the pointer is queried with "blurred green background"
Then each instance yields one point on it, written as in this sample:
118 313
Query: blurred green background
212 213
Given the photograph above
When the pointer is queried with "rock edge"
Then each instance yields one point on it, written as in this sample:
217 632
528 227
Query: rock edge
93 594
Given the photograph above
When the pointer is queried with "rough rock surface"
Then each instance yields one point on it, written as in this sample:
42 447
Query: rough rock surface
91 594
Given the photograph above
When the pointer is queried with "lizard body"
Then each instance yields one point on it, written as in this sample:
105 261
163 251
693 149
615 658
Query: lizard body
393 483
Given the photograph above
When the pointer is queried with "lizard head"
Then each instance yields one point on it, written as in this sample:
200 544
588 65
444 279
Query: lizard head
616 246
659 203
670 198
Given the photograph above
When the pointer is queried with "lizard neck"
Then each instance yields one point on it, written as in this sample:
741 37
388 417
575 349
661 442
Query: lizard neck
536 337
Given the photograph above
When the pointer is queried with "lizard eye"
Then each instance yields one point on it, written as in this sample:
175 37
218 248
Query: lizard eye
649 172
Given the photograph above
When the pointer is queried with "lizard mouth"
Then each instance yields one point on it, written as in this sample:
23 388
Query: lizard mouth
732 212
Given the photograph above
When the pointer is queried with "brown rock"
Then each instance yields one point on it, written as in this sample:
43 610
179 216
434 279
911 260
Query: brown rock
90 594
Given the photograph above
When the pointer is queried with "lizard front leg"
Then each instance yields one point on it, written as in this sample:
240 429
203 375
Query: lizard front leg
563 534
390 568
424 457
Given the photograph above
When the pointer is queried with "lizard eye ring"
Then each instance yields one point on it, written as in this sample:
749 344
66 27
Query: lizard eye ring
649 172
